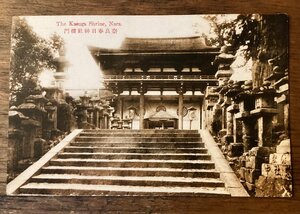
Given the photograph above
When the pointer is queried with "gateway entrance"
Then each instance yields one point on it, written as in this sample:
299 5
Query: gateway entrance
145 73
161 124
161 120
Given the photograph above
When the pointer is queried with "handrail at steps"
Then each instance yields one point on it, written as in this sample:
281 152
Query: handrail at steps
227 175
31 170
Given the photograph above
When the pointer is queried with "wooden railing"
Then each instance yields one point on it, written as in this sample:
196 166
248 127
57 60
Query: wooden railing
160 77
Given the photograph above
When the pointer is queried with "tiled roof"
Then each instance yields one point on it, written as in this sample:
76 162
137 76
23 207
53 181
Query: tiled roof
162 44
180 44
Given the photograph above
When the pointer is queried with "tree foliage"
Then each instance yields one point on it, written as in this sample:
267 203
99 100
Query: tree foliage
257 33
222 30
263 38
30 55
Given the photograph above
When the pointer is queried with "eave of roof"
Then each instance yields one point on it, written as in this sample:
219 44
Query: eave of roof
159 45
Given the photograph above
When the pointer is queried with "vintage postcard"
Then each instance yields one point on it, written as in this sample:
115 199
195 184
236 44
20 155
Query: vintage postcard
176 105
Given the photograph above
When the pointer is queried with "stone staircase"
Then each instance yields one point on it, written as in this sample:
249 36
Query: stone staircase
130 162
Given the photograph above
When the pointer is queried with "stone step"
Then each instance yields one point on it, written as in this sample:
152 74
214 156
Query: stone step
128 134
154 150
182 164
114 190
136 131
137 139
140 156
129 181
130 162
127 171
140 144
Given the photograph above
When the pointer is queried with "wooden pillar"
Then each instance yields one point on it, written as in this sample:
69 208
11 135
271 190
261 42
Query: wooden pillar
201 114
121 107
105 121
142 110
180 110
97 118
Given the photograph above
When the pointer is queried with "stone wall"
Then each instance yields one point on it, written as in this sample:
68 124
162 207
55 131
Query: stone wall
276 175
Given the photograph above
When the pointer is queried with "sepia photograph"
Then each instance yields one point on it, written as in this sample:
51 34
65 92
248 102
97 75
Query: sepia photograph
144 105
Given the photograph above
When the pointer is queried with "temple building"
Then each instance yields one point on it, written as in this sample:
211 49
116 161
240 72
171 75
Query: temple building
159 82
219 134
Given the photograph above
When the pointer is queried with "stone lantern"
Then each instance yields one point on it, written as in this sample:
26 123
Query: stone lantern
95 109
211 98
234 126
264 112
34 109
223 61
61 64
81 111
107 114
246 103
192 115
15 140
131 114
85 100
52 115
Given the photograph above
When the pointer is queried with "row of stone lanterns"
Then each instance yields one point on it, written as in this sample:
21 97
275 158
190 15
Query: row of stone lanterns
244 119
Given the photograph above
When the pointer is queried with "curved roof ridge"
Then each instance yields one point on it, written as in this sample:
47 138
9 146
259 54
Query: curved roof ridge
160 45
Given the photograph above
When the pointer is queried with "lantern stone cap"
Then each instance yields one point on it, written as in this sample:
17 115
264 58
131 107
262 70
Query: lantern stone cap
242 115
28 105
265 92
232 92
263 111
13 108
248 82
13 113
224 73
38 97
51 88
95 99
247 87
85 96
